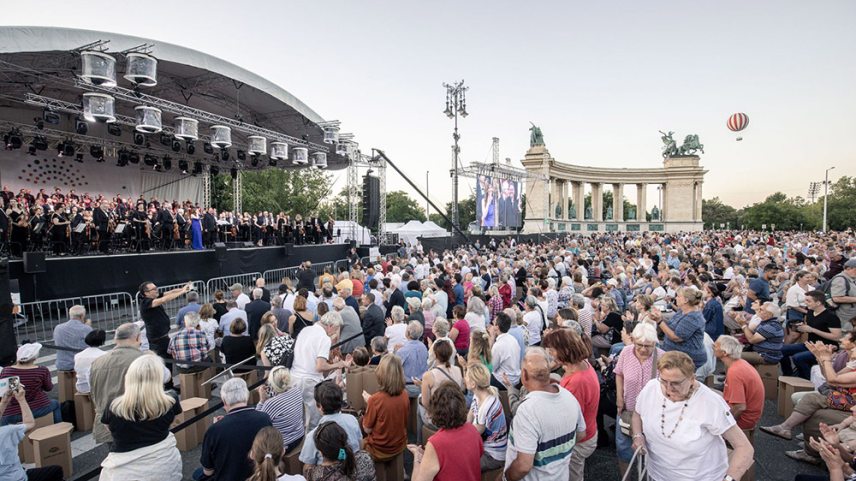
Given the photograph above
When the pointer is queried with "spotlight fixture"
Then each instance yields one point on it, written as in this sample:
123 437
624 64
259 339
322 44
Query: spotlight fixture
254 160
176 145
233 172
39 123
67 149
134 158
123 157
51 118
165 139
167 162
79 158
197 168
139 139
207 148
40 142
224 154
190 147
272 162
242 156
80 127
97 152
31 149
150 160
114 129
213 170
182 166
13 139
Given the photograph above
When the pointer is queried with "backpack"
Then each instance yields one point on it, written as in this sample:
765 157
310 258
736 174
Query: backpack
826 288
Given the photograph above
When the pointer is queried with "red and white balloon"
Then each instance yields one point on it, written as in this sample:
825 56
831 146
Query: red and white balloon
738 122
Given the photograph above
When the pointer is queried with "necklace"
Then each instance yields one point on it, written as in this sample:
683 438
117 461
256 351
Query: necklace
680 415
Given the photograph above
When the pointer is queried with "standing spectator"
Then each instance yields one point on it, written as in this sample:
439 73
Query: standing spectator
455 450
255 310
260 284
842 289
227 442
414 357
193 305
154 315
229 317
744 390
396 297
189 345
373 320
302 317
71 334
36 381
685 330
284 404
11 435
208 325
237 347
535 420
385 420
350 327
505 352
241 299
219 305
139 421
83 359
486 415
282 314
460 332
534 320
494 304
107 375
306 277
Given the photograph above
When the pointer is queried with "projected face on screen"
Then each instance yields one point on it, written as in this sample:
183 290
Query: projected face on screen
497 203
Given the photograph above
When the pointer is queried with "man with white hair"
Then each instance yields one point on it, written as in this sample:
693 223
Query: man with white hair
255 310
312 360
766 337
107 375
227 442
350 327
238 295
189 345
396 297
260 284
744 390
193 305
396 327
534 320
71 334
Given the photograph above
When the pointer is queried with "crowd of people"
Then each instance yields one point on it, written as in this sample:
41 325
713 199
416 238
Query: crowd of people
68 223
639 328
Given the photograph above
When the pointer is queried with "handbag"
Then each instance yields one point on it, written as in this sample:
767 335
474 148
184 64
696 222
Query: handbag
625 418
842 399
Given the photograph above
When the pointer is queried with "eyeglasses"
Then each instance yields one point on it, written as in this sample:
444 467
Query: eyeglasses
673 384
646 346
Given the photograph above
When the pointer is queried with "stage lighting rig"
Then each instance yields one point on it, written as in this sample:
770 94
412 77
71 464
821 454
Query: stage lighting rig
190 147
213 170
197 168
166 162
67 149
139 139
224 154
233 172
272 162
51 118
39 123
208 148
254 160
80 127
122 158
40 142
176 145
165 139
134 158
242 156
114 129
31 149
97 152
182 166
79 158
13 140
150 160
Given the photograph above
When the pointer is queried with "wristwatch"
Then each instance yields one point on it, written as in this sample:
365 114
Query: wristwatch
728 478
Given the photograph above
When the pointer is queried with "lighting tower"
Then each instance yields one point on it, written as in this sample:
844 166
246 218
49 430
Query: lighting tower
456 103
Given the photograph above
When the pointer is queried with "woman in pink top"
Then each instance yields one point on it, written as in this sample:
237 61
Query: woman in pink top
454 452
573 351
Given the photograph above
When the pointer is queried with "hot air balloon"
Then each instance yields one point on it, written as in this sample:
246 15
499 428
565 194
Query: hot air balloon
738 122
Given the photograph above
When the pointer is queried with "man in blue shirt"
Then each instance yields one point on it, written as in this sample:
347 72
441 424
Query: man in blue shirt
71 334
192 306
759 288
414 357
458 289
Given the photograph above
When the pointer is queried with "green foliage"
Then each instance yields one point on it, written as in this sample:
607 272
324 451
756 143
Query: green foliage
400 207
466 213
290 191
221 192
777 209
840 207
714 213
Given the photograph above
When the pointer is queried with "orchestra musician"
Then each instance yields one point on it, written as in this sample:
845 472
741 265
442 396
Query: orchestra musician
167 223
101 219
209 227
60 229
142 227
76 237
330 225
37 229
183 227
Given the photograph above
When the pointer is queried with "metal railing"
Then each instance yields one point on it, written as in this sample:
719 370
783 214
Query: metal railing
35 321
247 281
341 264
172 307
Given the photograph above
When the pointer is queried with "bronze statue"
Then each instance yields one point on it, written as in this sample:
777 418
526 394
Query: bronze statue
691 144
535 136
670 147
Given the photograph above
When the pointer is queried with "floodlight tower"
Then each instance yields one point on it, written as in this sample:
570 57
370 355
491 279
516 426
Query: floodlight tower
456 104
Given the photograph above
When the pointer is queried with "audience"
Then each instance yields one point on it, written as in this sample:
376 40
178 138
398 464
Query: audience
237 347
189 345
414 356
744 390
487 416
385 420
12 434
83 360
36 381
328 397
283 403
267 453
71 334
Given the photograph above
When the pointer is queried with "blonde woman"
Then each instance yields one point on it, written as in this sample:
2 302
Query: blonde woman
479 350
487 416
272 347
139 421
283 402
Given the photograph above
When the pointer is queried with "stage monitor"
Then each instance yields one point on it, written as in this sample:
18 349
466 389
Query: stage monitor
498 203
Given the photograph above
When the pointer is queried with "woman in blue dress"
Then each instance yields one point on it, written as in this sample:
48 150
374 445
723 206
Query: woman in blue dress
488 207
195 231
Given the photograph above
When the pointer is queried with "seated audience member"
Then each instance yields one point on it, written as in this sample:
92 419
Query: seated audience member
238 347
821 325
229 317
329 399
385 420
505 352
228 441
189 345
192 306
283 403
442 372
744 390
378 346
396 326
361 359
684 332
339 461
480 349
271 348
766 339
36 381
267 453
139 422
209 325
83 359
12 434
71 334
414 356
487 416
441 334
455 450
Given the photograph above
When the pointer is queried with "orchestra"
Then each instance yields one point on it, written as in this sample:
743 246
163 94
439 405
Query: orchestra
81 224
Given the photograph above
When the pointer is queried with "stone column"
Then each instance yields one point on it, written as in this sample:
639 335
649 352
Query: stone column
698 203
641 201
566 212
597 201
618 202
664 196
579 200
555 197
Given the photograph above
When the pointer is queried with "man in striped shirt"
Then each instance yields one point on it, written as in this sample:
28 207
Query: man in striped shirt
539 442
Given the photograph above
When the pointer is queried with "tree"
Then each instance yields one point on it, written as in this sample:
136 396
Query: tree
842 198
715 212
466 214
290 191
400 207
777 209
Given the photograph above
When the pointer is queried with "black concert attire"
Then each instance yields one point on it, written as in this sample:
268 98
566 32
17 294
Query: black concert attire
209 229
60 233
139 221
18 236
101 219
183 226
76 237
38 226
330 226
167 222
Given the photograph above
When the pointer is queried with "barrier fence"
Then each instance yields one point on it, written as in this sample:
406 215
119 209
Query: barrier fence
36 320
247 281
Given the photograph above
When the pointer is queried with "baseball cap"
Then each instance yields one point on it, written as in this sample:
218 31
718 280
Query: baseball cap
850 263
28 352
236 287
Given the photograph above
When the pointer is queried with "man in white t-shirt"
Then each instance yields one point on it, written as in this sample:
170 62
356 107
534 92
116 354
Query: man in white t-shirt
311 359
505 353
533 320
238 295
540 443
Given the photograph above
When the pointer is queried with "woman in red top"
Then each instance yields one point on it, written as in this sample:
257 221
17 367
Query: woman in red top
454 452
573 351
505 291
36 381
460 332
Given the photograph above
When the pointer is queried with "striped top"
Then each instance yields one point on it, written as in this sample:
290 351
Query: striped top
286 414
36 382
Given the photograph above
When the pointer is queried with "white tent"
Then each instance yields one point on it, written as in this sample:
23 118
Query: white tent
414 229
352 231
433 230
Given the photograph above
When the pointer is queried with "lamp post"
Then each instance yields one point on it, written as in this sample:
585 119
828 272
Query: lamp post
825 195
456 103
427 204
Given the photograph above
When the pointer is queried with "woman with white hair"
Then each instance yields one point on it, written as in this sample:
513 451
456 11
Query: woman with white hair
428 313
494 304
396 327
284 404
139 421
566 292
475 314
552 297
637 364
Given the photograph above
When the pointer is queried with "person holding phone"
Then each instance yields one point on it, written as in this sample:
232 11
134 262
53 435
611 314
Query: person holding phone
12 434
36 380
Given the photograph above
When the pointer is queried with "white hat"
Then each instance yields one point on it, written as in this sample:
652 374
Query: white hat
28 352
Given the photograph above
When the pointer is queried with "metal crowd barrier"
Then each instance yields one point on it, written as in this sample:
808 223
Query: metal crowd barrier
36 320
247 281
342 264
172 307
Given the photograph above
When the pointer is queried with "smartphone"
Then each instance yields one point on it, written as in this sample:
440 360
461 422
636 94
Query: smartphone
13 383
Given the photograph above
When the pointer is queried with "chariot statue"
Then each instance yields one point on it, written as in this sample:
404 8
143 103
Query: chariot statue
536 137
691 145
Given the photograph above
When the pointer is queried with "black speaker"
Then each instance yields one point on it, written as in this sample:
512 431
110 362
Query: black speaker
8 343
288 248
34 263
371 201
220 251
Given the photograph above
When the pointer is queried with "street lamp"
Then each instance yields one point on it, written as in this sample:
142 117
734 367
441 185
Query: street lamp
456 103
427 203
825 195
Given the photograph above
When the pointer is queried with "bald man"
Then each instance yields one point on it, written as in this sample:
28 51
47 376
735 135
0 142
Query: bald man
538 422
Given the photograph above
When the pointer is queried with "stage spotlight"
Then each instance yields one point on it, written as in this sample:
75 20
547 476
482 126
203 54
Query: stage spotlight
197 168
150 160
233 172
40 142
39 123
207 148
272 162
97 152
165 139
114 129
31 149
190 147
242 156
167 162
139 139
13 139
51 118
224 154
254 160
79 158
80 127
176 145
123 157
134 158
182 166
213 170
68 150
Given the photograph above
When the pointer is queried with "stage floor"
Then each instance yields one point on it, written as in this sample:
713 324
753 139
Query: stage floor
66 277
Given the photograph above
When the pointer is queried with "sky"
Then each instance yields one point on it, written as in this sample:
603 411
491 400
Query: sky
599 78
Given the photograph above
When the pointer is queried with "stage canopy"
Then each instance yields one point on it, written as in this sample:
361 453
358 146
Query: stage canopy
411 231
